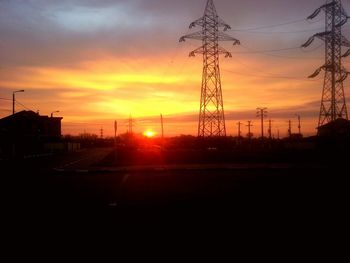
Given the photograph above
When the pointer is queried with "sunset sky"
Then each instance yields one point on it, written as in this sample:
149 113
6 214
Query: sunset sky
97 61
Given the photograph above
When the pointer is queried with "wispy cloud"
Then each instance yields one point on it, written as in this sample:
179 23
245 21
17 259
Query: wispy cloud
100 60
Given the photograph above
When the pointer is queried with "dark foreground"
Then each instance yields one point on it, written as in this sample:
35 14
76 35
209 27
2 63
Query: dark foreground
279 195
302 201
268 190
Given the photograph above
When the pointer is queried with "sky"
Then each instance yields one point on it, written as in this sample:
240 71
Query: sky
96 61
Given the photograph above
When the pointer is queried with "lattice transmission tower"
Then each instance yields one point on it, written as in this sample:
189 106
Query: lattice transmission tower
333 104
211 115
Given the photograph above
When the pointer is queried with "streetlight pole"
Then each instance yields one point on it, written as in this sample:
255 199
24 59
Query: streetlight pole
54 112
14 100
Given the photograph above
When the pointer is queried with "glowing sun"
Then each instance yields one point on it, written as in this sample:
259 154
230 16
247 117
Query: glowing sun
149 134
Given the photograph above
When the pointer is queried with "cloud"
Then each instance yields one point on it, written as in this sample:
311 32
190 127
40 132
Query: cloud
67 32
105 59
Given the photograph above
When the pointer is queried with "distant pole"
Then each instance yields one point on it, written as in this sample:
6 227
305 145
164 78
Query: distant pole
14 100
162 125
278 134
239 129
115 130
13 103
249 129
270 129
130 124
101 132
115 140
290 128
299 123
262 113
262 126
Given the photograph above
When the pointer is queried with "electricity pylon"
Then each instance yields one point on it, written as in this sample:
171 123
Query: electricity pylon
333 104
131 124
211 114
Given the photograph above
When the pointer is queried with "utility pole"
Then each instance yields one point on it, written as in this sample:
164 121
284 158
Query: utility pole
299 123
101 133
239 129
115 141
270 129
211 114
115 131
162 125
14 100
290 128
130 125
262 113
249 130
333 104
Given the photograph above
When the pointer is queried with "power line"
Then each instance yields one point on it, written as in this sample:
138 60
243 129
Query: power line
250 67
265 51
25 107
269 51
82 124
17 102
270 26
272 76
288 57
281 32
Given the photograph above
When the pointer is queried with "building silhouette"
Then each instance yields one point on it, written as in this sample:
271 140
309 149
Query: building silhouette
338 128
31 124
27 132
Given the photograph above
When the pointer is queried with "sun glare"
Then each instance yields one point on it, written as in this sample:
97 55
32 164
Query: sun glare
149 134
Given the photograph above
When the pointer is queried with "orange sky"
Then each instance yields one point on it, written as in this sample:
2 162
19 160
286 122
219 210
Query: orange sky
95 74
